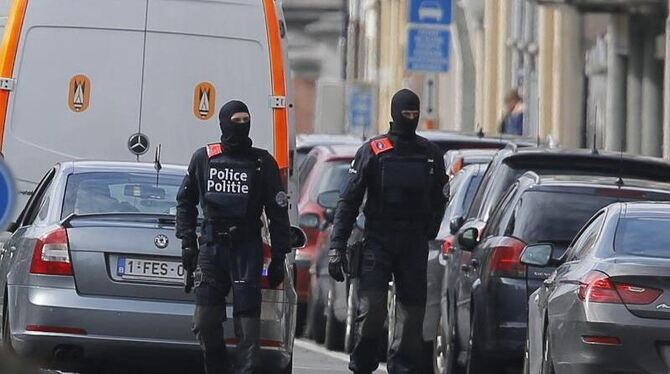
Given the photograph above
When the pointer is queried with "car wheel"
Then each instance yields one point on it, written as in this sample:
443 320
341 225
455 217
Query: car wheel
352 313
288 369
526 356
547 360
334 329
6 332
301 319
444 352
477 362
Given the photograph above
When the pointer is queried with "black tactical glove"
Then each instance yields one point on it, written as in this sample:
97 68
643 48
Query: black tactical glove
189 258
276 272
337 264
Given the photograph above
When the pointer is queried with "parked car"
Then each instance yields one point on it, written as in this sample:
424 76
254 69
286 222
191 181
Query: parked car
462 190
605 308
92 272
306 142
486 297
324 169
456 160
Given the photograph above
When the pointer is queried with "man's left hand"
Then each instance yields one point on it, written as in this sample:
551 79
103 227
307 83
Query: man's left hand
276 272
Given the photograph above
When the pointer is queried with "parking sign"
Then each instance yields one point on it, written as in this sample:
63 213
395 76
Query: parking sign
428 50
7 195
430 12
360 108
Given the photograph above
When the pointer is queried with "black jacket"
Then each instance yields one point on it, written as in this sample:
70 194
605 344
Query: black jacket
270 197
365 176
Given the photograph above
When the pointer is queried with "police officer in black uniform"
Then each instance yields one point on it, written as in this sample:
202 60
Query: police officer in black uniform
233 183
404 176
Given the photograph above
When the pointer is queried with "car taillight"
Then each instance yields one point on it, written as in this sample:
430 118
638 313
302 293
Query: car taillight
597 287
52 254
506 259
448 245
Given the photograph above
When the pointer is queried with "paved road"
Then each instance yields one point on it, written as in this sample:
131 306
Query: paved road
311 358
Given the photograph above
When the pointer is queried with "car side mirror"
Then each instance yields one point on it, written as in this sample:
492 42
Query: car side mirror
360 222
328 200
469 239
309 221
298 237
537 255
455 224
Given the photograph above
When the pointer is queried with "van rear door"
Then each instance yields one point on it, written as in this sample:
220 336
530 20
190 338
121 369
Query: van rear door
77 94
199 55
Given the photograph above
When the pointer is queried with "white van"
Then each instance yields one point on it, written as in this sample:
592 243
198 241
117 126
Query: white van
80 79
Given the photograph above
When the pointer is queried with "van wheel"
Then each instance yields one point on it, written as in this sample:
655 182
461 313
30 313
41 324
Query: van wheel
316 324
6 332
352 313
334 328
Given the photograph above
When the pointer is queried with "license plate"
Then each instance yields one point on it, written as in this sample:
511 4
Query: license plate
150 270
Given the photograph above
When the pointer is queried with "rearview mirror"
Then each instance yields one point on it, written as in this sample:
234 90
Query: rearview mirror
537 255
298 238
455 224
144 191
469 239
328 199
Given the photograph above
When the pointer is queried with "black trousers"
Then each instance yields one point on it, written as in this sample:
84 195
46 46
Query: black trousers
222 267
400 254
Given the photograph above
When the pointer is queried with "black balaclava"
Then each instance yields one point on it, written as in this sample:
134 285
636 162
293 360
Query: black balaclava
234 136
401 126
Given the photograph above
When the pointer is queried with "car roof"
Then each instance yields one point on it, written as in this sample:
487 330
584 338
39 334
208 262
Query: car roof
312 140
337 150
537 182
76 167
646 207
601 162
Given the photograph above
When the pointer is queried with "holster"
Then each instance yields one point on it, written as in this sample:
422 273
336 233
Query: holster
354 254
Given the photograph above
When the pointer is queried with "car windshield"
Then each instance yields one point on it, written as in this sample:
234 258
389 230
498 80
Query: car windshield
121 192
333 176
644 235
553 217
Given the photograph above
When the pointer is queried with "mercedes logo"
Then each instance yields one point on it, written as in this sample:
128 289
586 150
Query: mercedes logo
161 241
138 144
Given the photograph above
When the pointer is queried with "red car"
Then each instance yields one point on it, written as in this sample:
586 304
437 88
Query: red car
324 169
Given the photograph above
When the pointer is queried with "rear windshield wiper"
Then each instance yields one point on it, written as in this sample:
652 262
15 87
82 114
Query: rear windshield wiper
161 218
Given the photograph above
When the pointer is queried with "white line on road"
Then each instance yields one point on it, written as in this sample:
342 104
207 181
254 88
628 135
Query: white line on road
305 344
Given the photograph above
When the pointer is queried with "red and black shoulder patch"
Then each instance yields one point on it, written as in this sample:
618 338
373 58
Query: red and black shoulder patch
381 145
214 149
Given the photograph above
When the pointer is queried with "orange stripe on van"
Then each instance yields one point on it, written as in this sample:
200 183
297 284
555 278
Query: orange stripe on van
278 82
8 50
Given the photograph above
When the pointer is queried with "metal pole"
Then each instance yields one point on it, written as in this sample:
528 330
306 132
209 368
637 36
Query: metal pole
666 91
651 96
616 83
634 89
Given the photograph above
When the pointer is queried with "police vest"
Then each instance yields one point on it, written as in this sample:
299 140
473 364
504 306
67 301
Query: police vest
230 183
405 181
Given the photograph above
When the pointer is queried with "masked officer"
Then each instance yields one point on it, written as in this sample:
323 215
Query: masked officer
403 175
233 183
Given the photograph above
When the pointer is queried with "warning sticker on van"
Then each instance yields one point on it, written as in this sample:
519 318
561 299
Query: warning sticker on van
80 93
204 101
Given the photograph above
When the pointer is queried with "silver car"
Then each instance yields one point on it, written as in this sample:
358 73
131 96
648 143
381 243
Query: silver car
606 308
92 271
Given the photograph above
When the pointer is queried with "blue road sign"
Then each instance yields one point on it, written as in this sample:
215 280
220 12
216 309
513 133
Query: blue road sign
430 12
360 108
428 50
7 195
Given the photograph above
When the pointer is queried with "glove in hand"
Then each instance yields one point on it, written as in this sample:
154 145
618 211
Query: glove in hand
276 272
189 258
337 264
